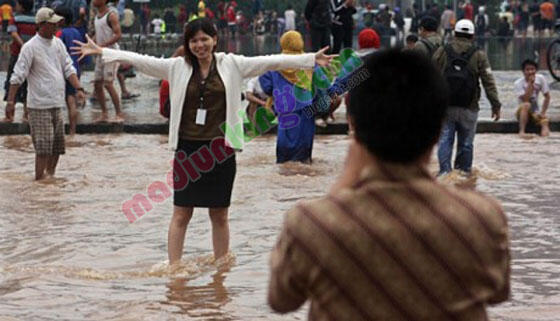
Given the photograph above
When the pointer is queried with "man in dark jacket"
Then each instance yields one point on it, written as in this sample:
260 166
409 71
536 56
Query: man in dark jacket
318 14
461 120
342 23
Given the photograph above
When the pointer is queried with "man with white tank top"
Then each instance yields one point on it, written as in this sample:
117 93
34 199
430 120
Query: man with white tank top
107 34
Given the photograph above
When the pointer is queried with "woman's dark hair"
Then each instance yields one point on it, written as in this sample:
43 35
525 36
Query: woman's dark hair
191 28
527 62
398 111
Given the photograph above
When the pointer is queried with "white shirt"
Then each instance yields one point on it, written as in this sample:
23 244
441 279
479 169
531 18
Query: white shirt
103 32
157 25
254 87
541 85
45 64
290 16
232 70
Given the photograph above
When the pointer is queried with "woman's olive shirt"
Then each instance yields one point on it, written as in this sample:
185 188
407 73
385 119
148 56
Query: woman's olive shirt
214 101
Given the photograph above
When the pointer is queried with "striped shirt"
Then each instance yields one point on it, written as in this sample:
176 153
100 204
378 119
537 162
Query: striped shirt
396 246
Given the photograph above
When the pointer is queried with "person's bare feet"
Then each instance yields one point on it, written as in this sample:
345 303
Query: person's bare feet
545 129
102 119
525 135
7 120
119 118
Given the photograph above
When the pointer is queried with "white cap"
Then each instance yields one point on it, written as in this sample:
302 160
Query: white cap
464 26
47 15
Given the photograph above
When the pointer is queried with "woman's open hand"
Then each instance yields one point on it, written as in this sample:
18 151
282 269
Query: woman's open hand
322 59
86 49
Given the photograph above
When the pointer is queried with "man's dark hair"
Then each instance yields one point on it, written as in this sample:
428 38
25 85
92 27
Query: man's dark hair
463 35
429 23
27 5
66 14
412 38
528 62
398 111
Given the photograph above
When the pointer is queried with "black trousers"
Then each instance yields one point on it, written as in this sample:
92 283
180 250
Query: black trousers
342 37
320 37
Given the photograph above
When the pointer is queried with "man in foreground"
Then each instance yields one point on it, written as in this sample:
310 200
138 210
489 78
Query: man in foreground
45 64
527 90
389 242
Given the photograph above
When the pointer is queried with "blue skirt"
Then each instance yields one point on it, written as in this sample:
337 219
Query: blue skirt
296 143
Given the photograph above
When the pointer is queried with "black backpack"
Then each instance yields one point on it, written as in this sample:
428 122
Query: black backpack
321 17
461 80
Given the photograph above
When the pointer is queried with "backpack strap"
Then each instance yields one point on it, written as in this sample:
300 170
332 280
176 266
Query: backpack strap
452 54
469 53
430 46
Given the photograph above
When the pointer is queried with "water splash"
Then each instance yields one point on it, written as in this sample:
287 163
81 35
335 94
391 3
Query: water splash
297 168
187 268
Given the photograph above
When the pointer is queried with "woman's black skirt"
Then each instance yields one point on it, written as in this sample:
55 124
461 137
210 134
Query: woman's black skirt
209 181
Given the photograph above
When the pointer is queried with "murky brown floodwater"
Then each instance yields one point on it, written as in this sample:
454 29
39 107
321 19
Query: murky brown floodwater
67 252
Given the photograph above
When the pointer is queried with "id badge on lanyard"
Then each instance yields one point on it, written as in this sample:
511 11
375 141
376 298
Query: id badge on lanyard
200 116
201 111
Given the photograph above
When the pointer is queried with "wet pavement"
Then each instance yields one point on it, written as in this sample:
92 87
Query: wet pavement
145 109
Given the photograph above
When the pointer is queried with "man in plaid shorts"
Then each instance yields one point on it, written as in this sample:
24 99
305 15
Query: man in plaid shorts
45 63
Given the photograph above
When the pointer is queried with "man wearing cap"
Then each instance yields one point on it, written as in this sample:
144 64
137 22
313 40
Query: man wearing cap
45 63
461 120
430 40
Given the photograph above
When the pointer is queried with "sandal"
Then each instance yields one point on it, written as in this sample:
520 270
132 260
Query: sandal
129 96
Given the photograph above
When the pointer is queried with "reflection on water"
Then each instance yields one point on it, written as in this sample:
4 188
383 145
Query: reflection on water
200 301
68 252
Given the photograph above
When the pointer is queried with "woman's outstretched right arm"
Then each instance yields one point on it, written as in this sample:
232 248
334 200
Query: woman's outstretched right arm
152 66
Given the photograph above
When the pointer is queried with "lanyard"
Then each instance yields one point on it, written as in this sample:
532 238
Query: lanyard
202 85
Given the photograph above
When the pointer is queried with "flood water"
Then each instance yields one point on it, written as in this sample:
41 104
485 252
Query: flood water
67 252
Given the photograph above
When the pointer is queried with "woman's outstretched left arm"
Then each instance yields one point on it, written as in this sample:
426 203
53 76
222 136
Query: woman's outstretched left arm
256 66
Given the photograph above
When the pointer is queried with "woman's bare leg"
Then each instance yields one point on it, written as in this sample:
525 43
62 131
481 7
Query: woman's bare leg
176 235
220 230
